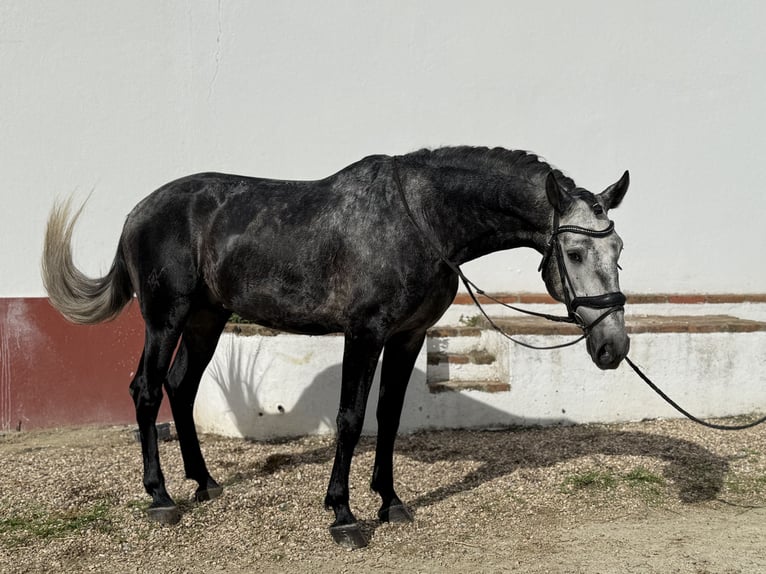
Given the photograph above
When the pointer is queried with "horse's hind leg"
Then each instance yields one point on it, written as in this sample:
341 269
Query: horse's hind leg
198 343
399 358
162 333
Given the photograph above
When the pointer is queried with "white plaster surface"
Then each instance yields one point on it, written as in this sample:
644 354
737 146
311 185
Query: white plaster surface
121 97
717 374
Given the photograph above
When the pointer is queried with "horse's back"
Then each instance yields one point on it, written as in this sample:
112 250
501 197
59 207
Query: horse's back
300 255
240 200
304 256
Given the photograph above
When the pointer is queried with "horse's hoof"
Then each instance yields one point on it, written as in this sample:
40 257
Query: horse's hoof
209 493
395 513
348 535
164 514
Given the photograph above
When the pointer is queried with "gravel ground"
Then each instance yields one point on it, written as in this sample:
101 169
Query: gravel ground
658 496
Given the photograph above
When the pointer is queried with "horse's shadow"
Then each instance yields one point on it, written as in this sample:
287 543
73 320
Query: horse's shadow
696 473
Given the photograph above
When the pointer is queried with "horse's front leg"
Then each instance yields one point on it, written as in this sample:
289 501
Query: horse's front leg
399 358
360 358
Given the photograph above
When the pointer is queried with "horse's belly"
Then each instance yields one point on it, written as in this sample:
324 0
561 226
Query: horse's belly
319 287
288 314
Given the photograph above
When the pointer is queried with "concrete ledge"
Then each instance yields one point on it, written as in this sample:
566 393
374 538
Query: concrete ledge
643 323
634 324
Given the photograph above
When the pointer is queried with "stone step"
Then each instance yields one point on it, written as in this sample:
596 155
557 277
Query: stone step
456 331
461 372
475 357
463 366
491 386
457 340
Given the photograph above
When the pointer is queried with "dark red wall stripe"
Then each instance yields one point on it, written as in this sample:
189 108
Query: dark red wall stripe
53 373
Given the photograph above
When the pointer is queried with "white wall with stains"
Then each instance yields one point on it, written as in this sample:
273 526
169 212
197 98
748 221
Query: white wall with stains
116 98
289 385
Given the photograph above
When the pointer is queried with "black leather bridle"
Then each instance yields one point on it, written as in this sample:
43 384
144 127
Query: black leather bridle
612 302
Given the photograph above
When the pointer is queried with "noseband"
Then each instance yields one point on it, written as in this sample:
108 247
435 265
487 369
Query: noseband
612 302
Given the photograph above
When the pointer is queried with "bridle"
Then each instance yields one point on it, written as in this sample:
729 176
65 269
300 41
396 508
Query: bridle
612 302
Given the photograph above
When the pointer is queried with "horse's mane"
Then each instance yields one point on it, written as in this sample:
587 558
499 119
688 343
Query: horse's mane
519 163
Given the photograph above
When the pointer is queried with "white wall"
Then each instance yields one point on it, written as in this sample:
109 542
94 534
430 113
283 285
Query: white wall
120 97
266 387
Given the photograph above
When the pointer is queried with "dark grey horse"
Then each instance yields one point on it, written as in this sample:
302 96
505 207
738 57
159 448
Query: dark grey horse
338 255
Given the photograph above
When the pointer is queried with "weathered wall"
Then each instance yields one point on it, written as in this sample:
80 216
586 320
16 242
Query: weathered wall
266 387
118 98
53 373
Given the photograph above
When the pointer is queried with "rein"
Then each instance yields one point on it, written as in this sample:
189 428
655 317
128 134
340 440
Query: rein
613 302
686 413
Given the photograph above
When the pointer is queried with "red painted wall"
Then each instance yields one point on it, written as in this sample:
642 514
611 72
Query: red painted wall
54 373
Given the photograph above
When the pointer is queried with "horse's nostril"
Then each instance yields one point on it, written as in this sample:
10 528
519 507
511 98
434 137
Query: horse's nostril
605 354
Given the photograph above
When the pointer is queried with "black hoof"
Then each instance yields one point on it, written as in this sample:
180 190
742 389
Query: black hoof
395 513
348 536
209 493
164 514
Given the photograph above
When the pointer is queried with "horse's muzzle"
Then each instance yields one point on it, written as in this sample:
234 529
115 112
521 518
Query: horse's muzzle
609 356
608 343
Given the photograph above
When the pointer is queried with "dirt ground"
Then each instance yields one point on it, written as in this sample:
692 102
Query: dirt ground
659 496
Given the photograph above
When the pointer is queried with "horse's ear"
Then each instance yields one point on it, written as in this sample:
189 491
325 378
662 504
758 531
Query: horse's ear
558 197
612 196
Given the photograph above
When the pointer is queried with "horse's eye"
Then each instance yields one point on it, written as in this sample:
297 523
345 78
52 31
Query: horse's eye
574 256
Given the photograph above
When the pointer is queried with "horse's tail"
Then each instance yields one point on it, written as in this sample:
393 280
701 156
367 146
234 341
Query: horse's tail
79 298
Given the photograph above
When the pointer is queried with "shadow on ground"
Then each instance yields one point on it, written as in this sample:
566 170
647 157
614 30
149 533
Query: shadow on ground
696 473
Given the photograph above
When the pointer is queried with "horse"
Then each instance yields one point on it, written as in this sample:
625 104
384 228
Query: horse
371 252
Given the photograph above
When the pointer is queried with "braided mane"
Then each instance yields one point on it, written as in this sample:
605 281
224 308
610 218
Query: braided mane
519 163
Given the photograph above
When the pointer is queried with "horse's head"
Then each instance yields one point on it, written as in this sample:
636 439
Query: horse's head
580 266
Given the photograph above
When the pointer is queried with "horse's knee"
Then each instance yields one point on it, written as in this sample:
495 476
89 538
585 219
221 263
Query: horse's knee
349 423
146 398
133 389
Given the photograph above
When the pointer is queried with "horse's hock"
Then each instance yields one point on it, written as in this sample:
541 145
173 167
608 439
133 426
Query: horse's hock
265 384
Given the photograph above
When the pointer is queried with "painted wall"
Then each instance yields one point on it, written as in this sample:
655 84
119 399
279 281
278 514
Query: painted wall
288 385
53 373
119 97
113 99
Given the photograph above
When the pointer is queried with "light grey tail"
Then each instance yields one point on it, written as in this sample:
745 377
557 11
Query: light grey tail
79 298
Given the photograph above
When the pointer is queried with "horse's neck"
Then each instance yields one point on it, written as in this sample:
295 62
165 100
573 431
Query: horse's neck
472 215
